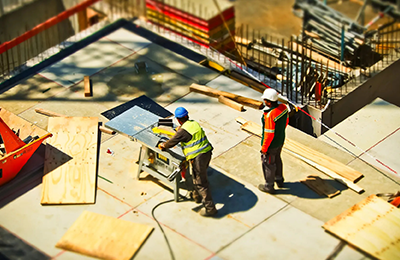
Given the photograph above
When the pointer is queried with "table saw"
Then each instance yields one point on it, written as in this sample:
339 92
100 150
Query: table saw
167 166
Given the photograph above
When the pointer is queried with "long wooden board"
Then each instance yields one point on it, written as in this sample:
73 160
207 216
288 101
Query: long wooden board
320 186
104 237
317 157
70 161
256 104
373 225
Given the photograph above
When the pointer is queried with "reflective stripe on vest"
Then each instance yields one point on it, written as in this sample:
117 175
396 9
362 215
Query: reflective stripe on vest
199 142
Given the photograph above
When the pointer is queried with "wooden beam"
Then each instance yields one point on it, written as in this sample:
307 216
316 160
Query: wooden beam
88 87
256 104
54 114
230 103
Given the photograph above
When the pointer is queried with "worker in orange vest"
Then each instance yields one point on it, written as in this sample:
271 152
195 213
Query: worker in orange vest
274 121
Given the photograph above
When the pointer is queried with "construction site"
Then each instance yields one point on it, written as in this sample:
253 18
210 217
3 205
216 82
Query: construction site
90 88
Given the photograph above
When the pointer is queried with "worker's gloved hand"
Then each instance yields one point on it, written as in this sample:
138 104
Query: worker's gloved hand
161 146
263 152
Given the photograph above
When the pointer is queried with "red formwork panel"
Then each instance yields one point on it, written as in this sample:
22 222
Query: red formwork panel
193 20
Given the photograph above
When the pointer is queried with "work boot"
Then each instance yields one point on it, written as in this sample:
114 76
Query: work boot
194 195
279 183
262 188
208 213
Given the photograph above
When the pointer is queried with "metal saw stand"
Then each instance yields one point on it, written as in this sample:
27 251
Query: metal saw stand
137 124
170 175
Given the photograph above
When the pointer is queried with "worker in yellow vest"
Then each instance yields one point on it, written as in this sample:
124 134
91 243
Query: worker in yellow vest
198 151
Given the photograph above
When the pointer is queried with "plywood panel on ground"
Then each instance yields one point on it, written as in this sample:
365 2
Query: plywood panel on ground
372 225
104 237
70 161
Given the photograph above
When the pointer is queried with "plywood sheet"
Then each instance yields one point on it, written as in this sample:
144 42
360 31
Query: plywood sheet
373 225
70 161
104 237
320 186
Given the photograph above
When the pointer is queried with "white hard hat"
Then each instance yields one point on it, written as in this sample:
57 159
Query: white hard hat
270 94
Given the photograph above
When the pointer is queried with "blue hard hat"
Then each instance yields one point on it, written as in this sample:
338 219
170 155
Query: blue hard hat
181 112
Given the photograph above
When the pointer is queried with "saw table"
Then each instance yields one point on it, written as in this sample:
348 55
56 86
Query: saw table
167 166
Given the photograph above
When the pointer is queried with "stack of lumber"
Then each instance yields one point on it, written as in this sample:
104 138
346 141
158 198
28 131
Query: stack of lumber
198 22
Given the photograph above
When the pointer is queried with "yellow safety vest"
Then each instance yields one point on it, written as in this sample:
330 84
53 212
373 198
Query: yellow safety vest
199 142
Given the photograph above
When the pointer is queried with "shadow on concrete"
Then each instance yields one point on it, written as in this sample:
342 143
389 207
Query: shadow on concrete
28 178
31 175
234 196
303 191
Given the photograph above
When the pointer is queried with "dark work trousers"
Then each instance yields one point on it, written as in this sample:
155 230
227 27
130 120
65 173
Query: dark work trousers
200 181
272 167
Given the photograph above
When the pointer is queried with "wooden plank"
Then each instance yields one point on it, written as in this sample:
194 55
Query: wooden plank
88 87
70 161
326 161
104 237
316 157
320 186
373 225
330 173
256 104
54 114
230 103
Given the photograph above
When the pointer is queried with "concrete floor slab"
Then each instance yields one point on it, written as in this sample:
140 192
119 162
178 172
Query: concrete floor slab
85 62
183 218
366 127
28 93
38 219
307 239
241 200
387 151
156 247
179 64
121 83
66 103
128 39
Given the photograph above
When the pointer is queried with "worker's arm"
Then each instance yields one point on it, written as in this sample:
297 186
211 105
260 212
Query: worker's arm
269 132
181 136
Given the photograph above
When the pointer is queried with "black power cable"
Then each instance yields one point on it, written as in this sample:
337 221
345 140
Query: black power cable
162 230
